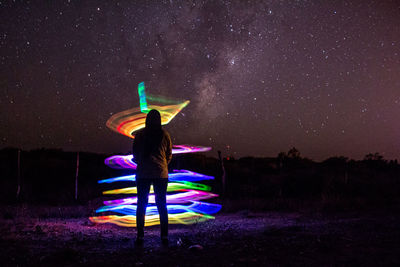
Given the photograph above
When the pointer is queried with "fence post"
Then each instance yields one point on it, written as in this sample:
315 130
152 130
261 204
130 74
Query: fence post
76 176
19 174
223 172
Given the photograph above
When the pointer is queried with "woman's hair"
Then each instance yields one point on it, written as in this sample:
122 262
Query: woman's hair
153 132
153 120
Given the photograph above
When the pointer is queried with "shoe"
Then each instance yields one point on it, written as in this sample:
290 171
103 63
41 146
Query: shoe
139 242
164 241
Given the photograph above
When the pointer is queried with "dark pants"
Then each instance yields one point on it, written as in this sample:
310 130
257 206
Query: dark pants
160 190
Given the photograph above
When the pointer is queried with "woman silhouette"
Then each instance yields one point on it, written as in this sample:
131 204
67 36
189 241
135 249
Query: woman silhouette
152 151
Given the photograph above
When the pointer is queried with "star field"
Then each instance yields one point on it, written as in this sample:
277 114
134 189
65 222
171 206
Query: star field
262 76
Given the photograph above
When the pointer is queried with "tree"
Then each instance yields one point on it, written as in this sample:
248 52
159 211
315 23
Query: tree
376 156
293 153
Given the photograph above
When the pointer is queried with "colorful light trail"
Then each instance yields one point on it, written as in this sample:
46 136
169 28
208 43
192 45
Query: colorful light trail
126 161
183 195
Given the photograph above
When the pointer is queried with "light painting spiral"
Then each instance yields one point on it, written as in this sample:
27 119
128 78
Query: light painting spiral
183 204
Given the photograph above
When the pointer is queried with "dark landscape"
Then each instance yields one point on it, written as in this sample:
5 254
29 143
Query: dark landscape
342 212
281 118
232 239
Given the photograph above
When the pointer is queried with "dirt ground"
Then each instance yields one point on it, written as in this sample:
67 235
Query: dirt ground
239 239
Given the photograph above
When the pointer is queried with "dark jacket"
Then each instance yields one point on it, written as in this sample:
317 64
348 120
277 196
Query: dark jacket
152 152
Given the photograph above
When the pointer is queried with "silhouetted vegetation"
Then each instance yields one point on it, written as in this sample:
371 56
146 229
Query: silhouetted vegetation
288 181
48 175
46 226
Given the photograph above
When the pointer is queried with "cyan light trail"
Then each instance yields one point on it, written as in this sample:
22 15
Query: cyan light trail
142 98
129 121
183 205
175 186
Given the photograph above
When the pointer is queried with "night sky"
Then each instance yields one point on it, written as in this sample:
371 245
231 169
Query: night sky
262 76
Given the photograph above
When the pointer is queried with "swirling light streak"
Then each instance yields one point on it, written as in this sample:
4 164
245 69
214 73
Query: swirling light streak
142 98
126 161
179 198
129 121
177 175
199 207
121 162
175 186
179 149
130 220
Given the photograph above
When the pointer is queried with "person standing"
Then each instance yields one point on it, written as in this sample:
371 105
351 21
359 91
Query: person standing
152 151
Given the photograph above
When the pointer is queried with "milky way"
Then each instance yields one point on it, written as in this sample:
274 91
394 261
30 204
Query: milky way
262 76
